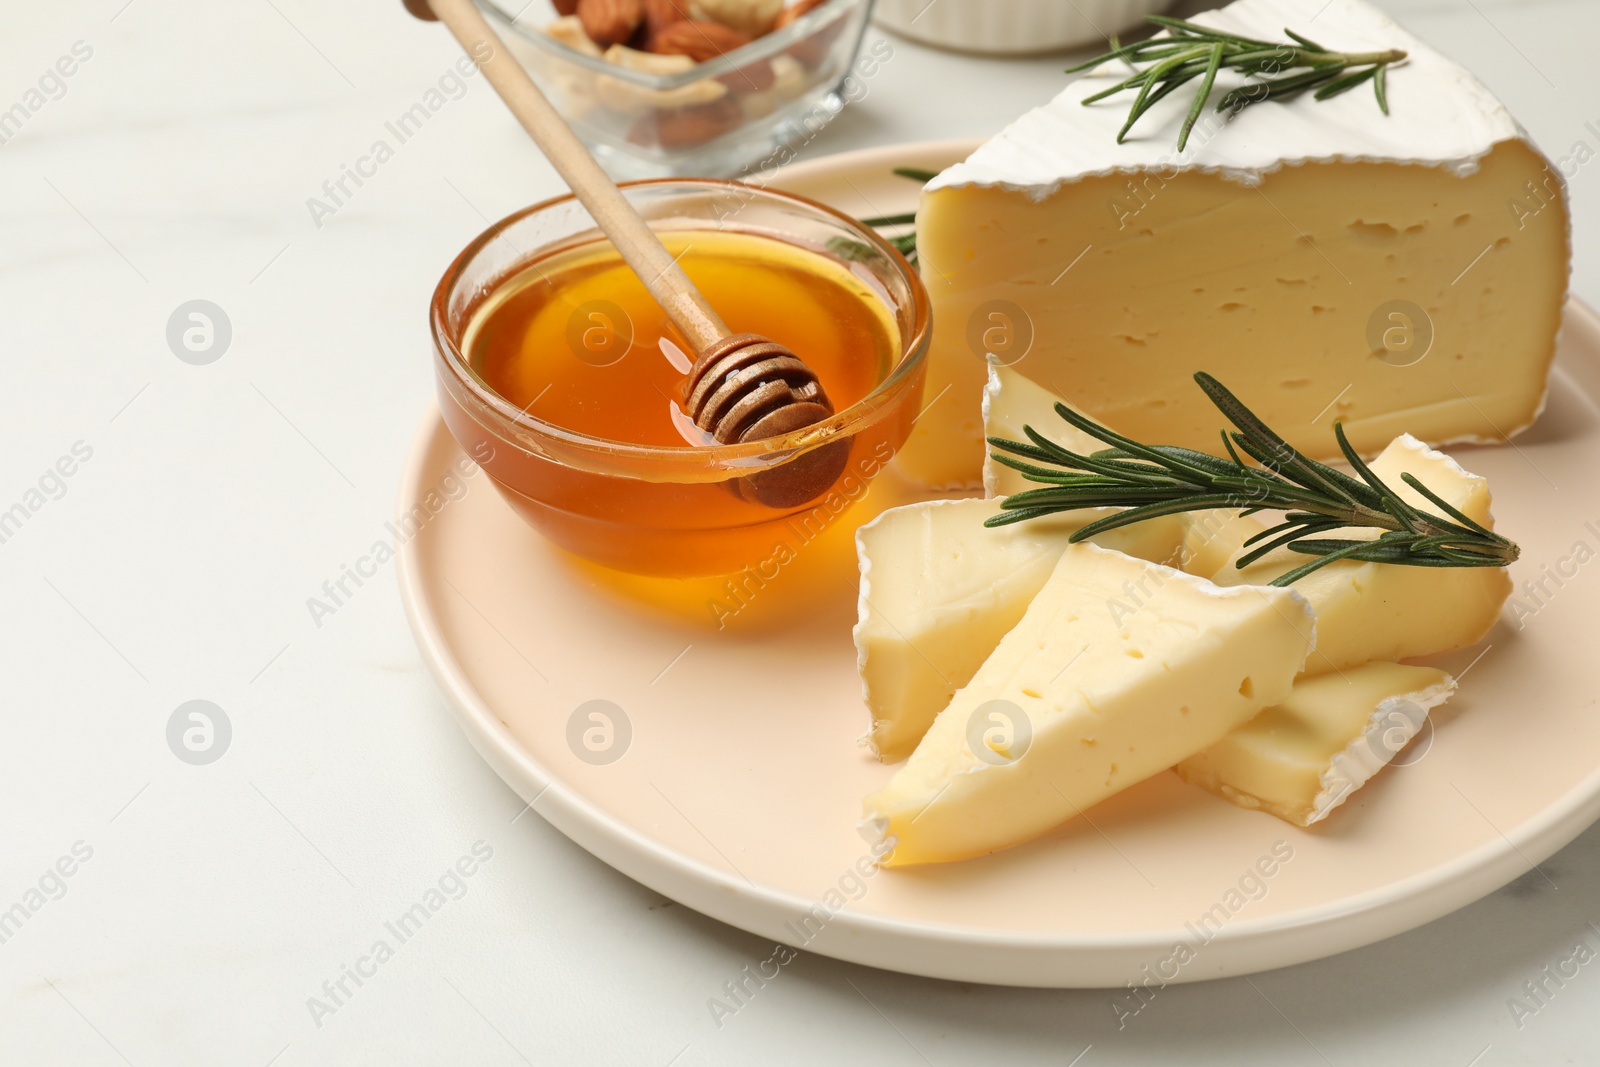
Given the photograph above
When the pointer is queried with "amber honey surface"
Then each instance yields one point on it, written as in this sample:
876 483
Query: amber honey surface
576 341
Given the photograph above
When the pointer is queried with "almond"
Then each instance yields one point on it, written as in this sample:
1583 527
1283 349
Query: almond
659 14
794 11
813 49
699 41
685 127
702 40
609 22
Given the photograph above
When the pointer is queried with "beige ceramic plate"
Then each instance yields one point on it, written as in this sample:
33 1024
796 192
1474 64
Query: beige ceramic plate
738 781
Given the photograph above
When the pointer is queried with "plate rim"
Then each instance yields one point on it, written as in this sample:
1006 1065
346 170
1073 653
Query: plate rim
1246 945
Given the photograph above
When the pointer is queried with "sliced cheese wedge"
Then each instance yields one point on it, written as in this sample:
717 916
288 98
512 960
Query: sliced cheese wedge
1082 700
1385 612
1403 273
1212 539
1010 403
1301 759
939 591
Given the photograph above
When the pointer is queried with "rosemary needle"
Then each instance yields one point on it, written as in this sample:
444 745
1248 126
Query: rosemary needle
904 243
1150 480
1188 51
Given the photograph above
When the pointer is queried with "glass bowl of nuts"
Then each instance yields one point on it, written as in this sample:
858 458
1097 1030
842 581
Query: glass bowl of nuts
668 88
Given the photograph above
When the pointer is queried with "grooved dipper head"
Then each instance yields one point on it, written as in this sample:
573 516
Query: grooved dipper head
747 388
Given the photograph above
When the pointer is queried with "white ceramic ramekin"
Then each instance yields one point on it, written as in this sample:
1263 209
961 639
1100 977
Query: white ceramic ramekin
1009 27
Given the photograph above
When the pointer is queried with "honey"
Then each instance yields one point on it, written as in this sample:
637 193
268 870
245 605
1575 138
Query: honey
574 340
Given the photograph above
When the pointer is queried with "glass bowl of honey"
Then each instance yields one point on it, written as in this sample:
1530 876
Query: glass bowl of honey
561 375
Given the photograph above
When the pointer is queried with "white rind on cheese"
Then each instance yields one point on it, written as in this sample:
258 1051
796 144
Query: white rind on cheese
1302 758
1394 722
1440 114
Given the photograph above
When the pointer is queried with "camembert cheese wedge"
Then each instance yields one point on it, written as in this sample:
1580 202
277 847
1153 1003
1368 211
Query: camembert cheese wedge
1081 700
939 591
1381 611
1304 757
1402 273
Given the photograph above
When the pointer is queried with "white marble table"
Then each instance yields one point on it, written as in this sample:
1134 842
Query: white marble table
208 903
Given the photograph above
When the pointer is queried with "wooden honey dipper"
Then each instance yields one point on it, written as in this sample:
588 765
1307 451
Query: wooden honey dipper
741 387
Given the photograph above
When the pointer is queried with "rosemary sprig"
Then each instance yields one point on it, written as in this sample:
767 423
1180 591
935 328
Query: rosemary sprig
1189 51
903 219
1151 480
905 243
